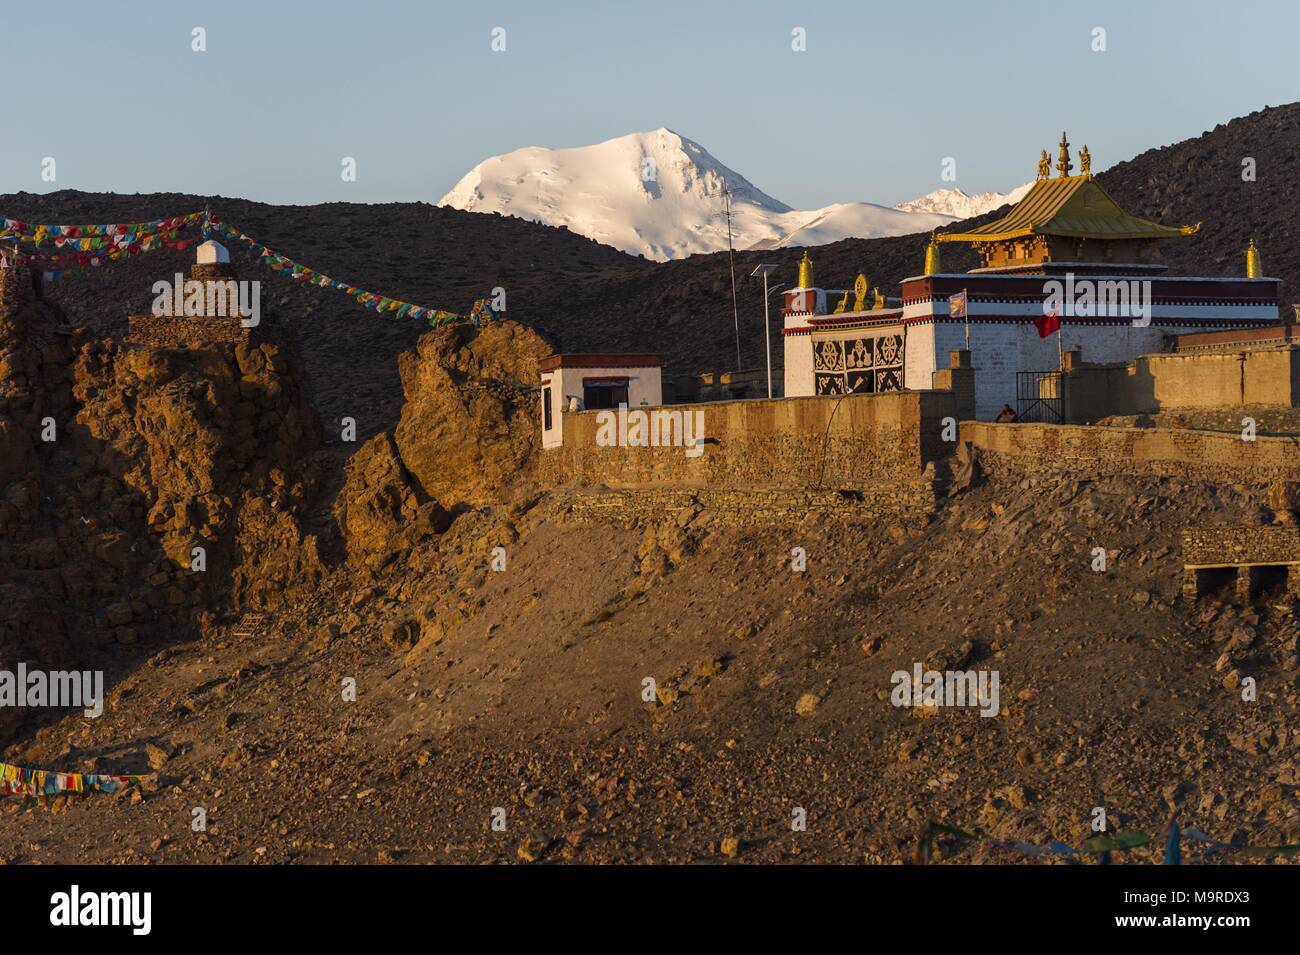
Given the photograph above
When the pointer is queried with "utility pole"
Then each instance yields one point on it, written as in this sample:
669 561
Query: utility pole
731 256
764 270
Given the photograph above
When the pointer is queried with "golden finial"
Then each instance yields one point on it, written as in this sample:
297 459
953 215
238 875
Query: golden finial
1085 162
1063 164
1044 166
932 256
860 293
844 303
880 299
1254 268
805 271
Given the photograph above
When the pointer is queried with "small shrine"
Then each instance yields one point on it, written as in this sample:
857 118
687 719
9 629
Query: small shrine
203 308
575 382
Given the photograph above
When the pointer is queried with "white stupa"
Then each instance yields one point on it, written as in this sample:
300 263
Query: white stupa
212 252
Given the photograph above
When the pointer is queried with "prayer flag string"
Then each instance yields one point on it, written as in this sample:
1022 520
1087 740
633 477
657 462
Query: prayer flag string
21 781
74 248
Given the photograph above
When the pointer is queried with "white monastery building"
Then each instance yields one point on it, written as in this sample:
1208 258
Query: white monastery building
1066 256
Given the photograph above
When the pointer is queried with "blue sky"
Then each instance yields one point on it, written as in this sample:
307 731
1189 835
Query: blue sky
112 90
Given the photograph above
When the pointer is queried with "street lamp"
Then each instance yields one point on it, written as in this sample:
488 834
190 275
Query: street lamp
767 332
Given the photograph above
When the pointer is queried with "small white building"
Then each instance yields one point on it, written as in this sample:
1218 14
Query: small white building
590 382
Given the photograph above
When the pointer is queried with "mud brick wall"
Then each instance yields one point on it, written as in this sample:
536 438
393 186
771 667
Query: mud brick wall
909 503
1016 450
858 441
15 289
1241 545
178 331
1153 383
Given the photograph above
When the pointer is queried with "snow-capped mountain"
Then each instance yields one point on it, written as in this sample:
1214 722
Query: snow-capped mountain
660 195
959 205
859 220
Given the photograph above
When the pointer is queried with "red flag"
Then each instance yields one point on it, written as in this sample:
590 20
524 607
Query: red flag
1047 323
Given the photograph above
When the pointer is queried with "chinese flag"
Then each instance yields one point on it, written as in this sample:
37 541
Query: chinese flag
1047 323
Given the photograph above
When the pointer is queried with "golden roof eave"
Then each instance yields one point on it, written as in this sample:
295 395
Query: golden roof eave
1072 207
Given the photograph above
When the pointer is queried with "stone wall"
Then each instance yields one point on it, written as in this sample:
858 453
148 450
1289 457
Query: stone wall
1154 383
1252 558
999 350
771 461
905 502
168 331
790 442
1228 545
1015 450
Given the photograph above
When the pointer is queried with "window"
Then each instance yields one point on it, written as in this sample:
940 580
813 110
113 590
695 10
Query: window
547 422
598 396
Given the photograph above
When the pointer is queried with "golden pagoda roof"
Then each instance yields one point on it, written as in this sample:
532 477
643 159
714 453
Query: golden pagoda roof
1074 207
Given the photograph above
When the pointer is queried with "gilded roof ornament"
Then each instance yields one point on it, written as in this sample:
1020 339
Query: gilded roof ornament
860 293
1254 268
1085 162
1044 166
1063 164
806 271
932 254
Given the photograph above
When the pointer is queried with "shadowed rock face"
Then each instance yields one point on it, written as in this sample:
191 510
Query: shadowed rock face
115 462
118 460
467 437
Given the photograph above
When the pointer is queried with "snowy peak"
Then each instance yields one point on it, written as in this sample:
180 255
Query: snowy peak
661 195
842 220
656 193
955 203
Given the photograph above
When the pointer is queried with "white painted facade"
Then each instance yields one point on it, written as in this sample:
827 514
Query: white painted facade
1005 341
567 380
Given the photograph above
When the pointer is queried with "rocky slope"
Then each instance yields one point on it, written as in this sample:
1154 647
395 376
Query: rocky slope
519 695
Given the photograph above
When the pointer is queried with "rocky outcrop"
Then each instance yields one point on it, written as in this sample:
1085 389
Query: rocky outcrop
380 511
118 461
468 430
214 441
467 437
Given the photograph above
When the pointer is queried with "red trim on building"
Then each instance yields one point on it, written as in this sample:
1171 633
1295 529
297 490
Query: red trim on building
884 316
1070 321
1165 290
1289 334
599 360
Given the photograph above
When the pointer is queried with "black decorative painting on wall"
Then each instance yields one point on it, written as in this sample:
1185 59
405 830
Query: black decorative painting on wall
859 365
830 384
